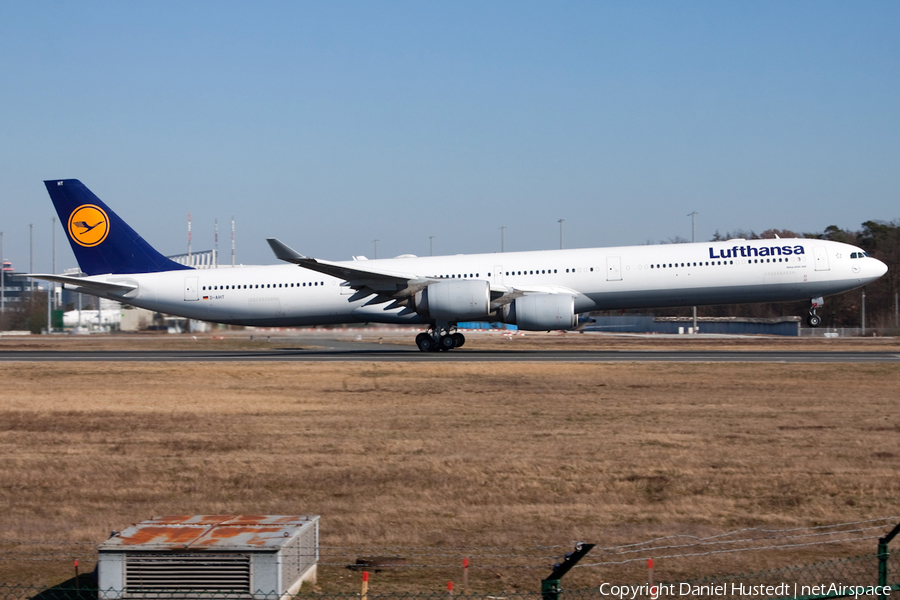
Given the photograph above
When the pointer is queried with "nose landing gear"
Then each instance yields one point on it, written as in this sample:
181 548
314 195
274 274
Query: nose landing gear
440 338
814 320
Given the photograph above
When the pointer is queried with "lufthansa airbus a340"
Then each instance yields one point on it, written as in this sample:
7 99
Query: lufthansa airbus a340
537 291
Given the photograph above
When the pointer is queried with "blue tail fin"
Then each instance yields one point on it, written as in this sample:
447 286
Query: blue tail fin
102 242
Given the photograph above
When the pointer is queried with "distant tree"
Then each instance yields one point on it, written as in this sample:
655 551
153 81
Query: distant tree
737 234
770 234
30 314
836 234
676 240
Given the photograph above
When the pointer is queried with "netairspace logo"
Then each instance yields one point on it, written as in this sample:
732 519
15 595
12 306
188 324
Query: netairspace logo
733 590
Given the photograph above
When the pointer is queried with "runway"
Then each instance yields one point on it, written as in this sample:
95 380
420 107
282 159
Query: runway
364 352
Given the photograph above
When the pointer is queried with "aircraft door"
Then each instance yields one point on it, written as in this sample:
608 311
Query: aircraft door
821 254
498 274
614 268
191 291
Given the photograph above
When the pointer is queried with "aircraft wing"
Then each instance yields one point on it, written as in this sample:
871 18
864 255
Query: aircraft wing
393 284
87 284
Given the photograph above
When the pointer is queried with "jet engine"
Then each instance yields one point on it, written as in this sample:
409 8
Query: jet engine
457 300
542 312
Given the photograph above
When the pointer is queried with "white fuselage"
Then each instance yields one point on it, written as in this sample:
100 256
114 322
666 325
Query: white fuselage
735 271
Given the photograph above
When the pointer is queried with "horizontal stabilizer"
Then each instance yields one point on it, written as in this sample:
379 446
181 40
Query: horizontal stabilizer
87 284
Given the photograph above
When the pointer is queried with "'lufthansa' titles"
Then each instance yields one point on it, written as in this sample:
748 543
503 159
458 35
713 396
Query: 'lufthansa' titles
745 251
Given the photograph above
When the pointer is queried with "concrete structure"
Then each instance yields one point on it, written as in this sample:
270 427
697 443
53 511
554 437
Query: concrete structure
182 556
205 259
673 325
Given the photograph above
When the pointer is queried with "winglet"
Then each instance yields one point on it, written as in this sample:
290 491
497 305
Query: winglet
286 253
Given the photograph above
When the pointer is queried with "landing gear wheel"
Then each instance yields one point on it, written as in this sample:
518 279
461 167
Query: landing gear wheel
813 320
459 339
425 342
447 343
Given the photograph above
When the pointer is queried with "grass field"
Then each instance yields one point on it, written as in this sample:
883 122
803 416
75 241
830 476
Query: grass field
425 457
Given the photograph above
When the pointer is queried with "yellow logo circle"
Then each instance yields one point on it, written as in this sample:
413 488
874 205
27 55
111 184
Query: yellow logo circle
88 225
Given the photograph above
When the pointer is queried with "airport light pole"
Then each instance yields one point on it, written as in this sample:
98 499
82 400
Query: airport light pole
692 215
50 294
53 233
375 243
561 221
503 239
864 312
2 279
31 253
430 245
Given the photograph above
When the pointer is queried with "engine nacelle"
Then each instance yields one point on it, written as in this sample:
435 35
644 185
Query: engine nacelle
543 312
457 300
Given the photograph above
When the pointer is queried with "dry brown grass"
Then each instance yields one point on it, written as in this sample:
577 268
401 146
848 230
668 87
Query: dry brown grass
452 455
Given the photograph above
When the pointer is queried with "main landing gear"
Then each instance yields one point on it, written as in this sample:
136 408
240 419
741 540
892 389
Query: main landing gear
814 320
440 338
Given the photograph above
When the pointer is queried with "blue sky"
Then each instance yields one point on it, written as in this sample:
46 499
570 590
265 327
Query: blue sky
332 124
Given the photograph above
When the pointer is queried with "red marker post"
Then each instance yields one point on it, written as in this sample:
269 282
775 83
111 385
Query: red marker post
650 571
465 575
450 589
365 585
76 574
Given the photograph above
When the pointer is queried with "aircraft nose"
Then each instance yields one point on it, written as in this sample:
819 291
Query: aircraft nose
880 268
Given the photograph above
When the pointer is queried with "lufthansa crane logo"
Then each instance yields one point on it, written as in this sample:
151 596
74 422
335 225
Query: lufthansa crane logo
88 225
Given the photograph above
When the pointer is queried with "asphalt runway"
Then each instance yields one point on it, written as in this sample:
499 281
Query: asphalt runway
345 351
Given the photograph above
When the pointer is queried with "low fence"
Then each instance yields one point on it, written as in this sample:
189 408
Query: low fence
860 576
874 575
869 576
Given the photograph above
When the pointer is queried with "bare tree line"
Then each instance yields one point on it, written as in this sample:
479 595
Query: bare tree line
880 239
